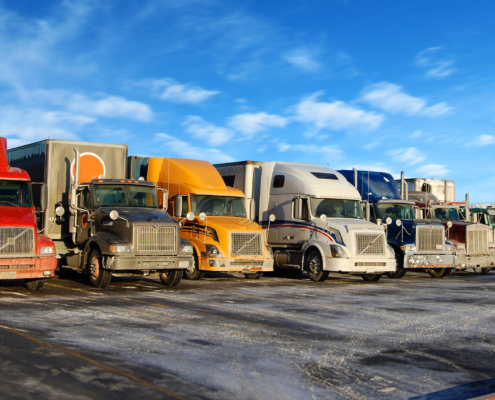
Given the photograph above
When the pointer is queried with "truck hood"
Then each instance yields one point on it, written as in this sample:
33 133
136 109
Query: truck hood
17 216
348 224
232 224
137 214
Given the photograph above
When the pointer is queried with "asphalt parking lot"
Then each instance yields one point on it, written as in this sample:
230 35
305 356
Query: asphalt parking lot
228 337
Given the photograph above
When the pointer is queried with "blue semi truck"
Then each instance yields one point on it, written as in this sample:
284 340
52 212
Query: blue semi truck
419 244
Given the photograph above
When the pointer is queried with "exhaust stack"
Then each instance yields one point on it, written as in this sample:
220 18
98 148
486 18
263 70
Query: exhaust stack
355 177
468 213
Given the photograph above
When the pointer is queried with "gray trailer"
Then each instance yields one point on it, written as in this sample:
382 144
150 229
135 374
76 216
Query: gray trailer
103 224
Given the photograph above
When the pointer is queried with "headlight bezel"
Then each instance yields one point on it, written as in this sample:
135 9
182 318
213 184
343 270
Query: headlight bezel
47 250
187 249
119 248
212 251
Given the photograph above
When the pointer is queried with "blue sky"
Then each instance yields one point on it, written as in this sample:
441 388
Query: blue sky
382 85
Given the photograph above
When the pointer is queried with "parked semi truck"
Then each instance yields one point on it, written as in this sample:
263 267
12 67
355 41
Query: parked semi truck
103 225
312 218
472 243
419 244
24 253
443 189
224 239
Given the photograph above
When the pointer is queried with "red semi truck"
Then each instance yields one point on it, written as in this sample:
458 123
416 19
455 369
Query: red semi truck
24 254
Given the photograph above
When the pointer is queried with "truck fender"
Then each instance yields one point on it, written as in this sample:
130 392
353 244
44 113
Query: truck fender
322 247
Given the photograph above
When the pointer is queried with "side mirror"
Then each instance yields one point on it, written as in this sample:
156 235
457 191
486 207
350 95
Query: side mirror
323 217
190 216
398 222
202 216
297 208
178 205
43 197
378 221
59 211
114 214
252 209
449 224
164 198
272 217
388 220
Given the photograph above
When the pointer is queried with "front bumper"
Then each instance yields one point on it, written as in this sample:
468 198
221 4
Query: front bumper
360 266
236 265
427 261
465 261
146 263
27 268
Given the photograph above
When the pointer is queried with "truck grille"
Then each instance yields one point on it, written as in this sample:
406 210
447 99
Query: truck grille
476 240
370 243
16 242
430 239
161 240
246 244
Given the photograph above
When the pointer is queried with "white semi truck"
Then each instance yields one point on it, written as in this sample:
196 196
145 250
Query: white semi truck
312 218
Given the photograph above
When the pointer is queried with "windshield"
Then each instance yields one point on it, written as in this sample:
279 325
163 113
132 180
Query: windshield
335 208
218 205
446 214
395 211
125 196
15 194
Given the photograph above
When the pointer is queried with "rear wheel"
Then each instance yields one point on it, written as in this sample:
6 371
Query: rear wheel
400 271
196 274
172 277
485 271
34 284
98 276
438 272
371 277
256 275
314 266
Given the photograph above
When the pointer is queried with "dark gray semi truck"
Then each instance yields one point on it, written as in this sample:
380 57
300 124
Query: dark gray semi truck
103 225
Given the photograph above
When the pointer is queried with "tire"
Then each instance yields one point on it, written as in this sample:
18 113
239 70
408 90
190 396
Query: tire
371 277
35 284
485 271
172 277
400 271
98 276
438 272
196 274
314 266
256 275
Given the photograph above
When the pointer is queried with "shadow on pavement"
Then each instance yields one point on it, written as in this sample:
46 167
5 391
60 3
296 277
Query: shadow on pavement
480 389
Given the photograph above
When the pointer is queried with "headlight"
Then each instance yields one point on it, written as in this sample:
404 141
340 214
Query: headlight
337 251
212 251
47 250
337 234
119 249
187 249
270 251
408 247
461 247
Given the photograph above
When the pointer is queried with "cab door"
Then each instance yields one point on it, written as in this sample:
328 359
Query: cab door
300 230
84 221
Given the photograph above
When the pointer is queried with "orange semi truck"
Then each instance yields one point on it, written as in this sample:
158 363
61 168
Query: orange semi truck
24 254
213 218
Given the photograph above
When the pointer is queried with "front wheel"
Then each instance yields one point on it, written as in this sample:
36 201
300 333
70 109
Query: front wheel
314 267
35 284
485 271
438 272
196 274
98 276
371 277
172 277
256 275
400 271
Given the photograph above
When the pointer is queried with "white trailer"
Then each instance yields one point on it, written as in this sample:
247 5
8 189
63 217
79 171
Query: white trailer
312 218
443 189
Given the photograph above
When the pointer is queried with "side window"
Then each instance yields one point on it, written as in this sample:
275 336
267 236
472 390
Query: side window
372 213
85 200
229 180
184 205
300 209
278 181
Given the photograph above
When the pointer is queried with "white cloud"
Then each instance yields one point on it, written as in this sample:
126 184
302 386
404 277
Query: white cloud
484 140
371 146
335 116
184 149
212 134
250 123
331 151
436 68
417 133
410 156
302 58
390 97
169 89
432 171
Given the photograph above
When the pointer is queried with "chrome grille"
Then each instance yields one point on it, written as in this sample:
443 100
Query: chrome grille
246 244
156 240
476 241
16 241
370 243
430 238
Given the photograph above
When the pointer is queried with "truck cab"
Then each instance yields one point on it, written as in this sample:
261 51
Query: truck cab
24 253
419 244
213 218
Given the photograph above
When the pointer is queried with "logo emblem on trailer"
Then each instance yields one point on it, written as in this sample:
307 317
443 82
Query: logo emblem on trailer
90 166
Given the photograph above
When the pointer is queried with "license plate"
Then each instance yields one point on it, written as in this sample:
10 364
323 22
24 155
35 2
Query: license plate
8 275
183 264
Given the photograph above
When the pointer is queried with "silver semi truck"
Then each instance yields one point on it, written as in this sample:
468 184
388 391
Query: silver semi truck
103 225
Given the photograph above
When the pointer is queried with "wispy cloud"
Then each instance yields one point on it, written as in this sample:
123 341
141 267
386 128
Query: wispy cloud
302 58
250 123
436 67
336 115
391 98
171 90
432 171
212 134
484 140
180 148
409 156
